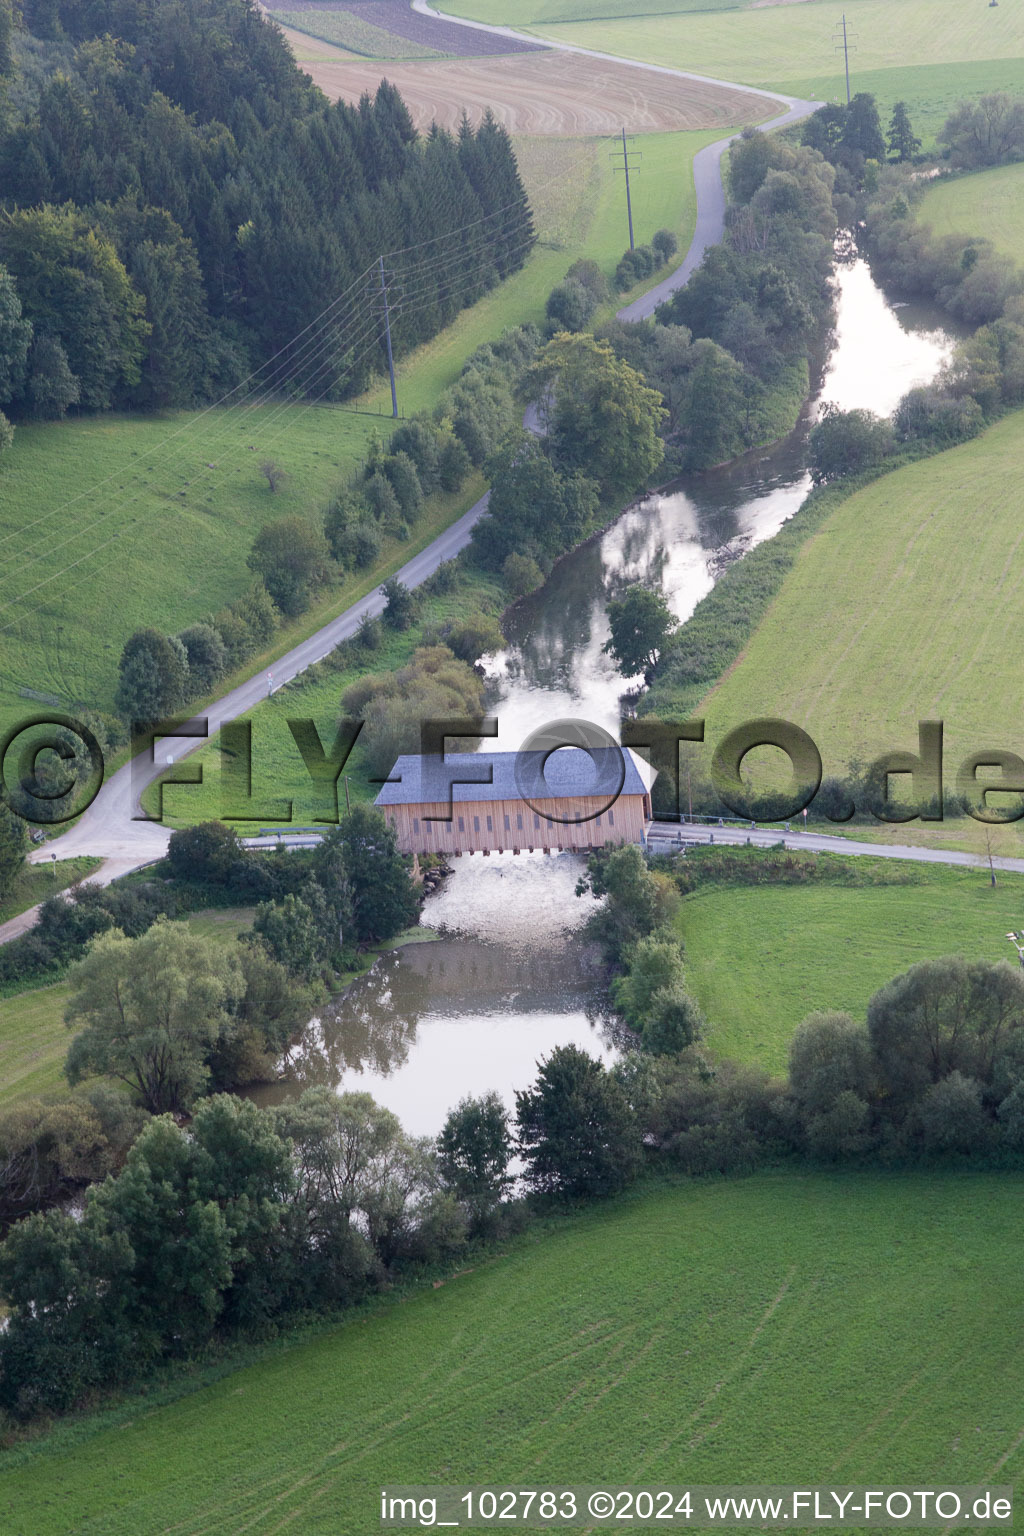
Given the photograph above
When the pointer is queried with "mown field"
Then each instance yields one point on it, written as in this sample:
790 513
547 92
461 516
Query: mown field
956 52
760 959
989 203
352 33
770 43
788 1328
111 523
530 13
906 605
33 1036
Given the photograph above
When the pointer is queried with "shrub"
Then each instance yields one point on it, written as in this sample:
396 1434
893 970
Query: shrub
153 676
521 574
952 1117
405 482
569 306
207 657
476 636
589 275
400 609
291 557
846 442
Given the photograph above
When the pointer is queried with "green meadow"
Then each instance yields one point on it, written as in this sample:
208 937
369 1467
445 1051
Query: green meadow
905 605
760 959
539 13
109 523
801 1328
767 44
989 203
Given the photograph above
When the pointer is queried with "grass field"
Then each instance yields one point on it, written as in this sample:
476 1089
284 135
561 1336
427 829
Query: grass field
904 606
111 523
537 13
761 959
783 42
38 881
92 520
802 1329
989 203
33 1037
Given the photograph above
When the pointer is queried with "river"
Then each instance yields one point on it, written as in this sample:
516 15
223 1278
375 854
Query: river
504 974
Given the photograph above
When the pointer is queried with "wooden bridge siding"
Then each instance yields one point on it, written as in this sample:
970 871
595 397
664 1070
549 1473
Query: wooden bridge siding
416 834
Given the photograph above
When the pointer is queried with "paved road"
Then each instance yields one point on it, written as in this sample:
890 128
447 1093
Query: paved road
113 828
663 837
707 163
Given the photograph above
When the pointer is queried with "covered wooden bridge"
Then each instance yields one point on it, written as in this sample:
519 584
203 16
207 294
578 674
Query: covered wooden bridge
496 802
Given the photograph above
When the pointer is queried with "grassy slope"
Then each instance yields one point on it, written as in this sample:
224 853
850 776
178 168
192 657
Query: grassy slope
174 558
879 1318
905 606
33 1038
990 203
38 881
97 587
578 208
760 959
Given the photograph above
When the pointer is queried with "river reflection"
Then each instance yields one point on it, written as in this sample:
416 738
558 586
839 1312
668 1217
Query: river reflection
683 539
510 976
507 978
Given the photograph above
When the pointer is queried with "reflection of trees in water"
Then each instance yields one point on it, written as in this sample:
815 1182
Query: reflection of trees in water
547 632
369 1028
372 1026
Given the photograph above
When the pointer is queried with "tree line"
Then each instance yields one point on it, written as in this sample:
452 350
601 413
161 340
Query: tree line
180 202
243 1219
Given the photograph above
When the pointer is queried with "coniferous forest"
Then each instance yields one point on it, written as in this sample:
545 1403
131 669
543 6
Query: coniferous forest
179 206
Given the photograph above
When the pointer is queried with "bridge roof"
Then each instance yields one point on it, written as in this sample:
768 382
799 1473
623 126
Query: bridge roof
568 773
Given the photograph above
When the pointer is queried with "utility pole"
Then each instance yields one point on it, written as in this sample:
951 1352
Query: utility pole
846 52
625 166
387 333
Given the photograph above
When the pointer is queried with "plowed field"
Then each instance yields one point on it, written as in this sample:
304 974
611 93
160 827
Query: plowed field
546 93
